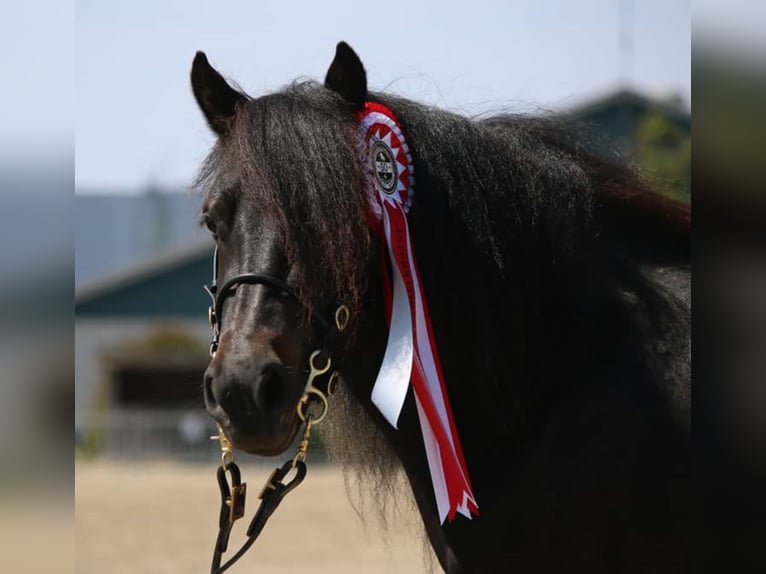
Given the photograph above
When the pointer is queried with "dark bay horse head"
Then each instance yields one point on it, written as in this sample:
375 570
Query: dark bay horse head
284 197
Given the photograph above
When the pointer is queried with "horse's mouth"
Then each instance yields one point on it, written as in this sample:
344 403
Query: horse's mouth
270 441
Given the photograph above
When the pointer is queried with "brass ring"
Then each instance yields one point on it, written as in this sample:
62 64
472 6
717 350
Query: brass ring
325 406
342 315
299 407
304 402
332 383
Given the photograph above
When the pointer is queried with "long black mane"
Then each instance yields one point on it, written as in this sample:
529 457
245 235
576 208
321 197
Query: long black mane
506 220
294 153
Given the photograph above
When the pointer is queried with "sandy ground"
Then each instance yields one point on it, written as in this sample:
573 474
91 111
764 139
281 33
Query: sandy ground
161 518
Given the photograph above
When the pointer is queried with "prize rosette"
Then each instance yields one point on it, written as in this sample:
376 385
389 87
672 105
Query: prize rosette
411 353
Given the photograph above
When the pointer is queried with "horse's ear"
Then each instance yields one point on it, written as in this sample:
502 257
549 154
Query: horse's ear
216 98
347 77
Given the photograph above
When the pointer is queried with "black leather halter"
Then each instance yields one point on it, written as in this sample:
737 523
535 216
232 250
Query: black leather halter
219 294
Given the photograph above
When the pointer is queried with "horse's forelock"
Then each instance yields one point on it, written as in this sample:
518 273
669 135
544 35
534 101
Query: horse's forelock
294 156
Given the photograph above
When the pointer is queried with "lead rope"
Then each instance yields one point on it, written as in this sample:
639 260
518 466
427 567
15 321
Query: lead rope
274 490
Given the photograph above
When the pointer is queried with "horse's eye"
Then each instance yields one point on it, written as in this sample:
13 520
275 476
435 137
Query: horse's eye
208 222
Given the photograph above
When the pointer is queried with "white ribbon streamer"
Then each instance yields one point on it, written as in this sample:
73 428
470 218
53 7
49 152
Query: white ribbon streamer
393 380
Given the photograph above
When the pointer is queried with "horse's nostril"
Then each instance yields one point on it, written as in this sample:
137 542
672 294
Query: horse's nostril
271 386
245 395
225 393
207 389
237 402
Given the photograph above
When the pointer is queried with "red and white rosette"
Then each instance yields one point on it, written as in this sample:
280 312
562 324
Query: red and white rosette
411 353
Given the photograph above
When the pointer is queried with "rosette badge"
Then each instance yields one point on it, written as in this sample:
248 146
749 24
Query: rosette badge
411 354
385 169
386 157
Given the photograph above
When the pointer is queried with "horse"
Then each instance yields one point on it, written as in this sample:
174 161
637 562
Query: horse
559 291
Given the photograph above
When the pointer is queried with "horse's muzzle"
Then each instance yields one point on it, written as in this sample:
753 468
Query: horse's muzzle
253 404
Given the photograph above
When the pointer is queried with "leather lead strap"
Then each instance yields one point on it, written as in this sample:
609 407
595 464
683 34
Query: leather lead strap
271 497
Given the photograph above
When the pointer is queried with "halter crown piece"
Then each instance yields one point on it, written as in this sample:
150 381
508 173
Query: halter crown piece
411 353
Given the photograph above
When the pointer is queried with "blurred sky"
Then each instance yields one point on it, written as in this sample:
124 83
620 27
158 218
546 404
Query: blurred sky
735 25
37 86
137 122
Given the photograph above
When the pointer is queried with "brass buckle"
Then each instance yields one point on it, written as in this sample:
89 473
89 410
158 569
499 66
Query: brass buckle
236 502
269 485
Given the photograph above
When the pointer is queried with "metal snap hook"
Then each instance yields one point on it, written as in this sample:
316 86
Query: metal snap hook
227 453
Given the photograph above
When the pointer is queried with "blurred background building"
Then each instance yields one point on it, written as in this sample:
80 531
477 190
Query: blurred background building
653 133
141 348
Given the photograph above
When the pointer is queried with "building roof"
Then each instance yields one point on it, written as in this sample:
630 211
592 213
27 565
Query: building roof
165 285
608 124
115 230
670 106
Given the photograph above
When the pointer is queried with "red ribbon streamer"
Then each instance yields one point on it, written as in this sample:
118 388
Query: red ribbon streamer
389 208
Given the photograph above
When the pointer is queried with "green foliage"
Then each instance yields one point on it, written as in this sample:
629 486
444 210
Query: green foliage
729 92
663 152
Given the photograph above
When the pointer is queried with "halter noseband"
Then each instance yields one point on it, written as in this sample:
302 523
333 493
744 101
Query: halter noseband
219 295
275 489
